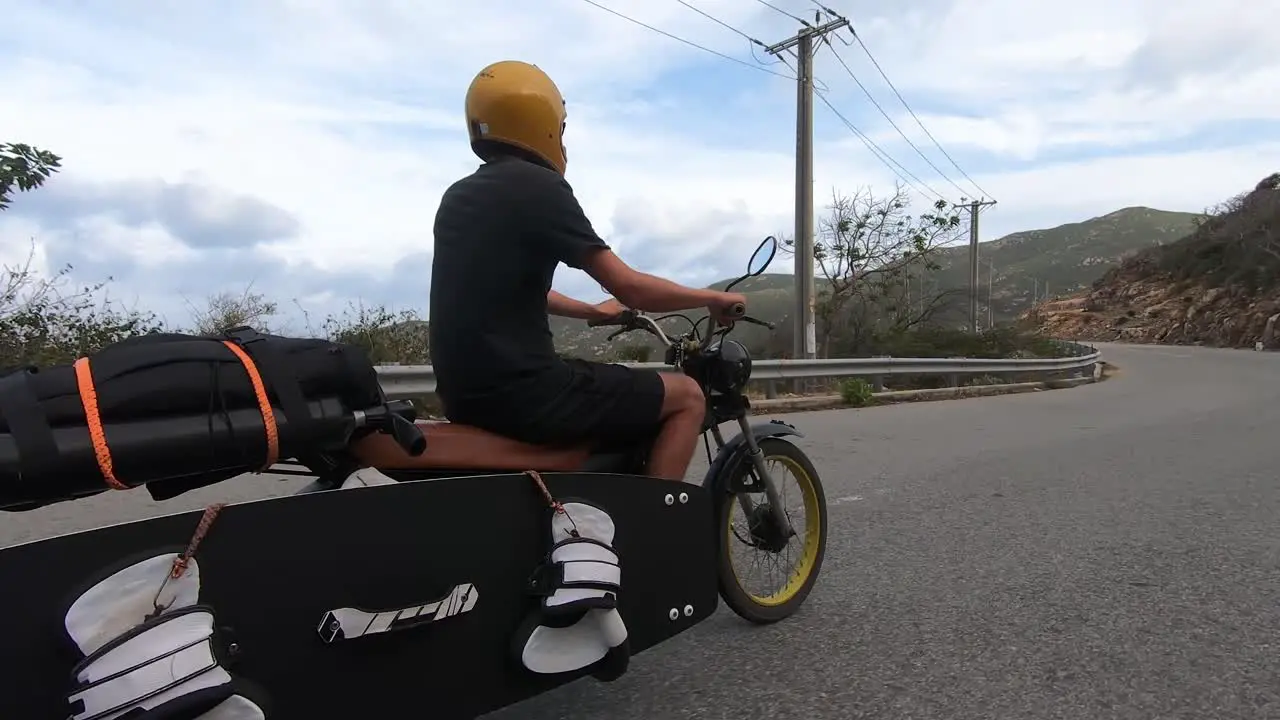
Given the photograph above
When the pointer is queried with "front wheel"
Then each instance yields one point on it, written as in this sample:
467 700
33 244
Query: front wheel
745 523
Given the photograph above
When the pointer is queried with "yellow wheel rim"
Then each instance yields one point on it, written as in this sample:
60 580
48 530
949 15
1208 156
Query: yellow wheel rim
812 537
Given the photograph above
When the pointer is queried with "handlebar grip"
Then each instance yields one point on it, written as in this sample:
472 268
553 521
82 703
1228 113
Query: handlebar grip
736 311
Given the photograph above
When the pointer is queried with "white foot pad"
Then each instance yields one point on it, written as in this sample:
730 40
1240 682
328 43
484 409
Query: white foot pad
577 624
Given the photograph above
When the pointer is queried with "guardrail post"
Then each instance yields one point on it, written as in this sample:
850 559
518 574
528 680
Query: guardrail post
876 382
953 380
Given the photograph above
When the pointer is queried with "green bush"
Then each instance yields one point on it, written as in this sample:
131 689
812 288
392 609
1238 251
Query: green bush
856 392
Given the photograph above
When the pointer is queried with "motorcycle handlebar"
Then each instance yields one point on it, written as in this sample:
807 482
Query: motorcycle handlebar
629 318
626 317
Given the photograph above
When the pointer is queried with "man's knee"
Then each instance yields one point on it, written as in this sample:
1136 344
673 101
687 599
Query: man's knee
683 394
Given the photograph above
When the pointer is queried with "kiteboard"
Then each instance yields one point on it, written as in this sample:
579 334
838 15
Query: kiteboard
445 598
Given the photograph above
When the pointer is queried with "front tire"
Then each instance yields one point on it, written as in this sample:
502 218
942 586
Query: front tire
759 608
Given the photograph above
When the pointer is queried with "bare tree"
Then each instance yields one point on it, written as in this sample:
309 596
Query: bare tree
225 310
388 336
48 320
870 251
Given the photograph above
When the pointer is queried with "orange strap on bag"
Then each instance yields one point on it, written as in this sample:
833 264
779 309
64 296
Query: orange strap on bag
98 435
264 404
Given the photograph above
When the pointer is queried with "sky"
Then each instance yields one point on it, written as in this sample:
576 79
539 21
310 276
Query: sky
300 147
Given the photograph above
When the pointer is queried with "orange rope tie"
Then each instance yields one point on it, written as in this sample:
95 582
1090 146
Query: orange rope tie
264 404
181 562
555 505
97 435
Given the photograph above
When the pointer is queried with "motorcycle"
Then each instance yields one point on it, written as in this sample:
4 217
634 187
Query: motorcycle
429 566
739 474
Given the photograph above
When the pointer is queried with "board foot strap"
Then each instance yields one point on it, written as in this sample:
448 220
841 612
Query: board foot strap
151 651
575 625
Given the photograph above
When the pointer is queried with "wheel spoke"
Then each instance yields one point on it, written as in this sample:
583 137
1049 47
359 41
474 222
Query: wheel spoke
759 535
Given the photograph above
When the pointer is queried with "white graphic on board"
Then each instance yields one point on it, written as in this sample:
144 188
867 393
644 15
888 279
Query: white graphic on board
349 623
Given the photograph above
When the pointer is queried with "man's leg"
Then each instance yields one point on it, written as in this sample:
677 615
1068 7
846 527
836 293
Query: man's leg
617 406
683 409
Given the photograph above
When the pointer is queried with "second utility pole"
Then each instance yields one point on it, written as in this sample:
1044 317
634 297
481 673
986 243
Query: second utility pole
805 327
973 207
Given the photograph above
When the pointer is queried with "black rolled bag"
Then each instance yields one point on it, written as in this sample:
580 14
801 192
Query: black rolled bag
176 412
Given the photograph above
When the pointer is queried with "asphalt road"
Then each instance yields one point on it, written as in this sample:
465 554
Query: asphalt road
1107 551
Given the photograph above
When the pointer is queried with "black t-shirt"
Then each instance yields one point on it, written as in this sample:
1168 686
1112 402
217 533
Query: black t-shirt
499 235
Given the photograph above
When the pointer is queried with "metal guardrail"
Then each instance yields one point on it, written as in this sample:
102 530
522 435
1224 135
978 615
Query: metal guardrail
406 381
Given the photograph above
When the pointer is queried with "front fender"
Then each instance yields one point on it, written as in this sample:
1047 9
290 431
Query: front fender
734 452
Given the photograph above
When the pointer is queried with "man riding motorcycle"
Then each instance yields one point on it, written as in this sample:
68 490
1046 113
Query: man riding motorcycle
500 233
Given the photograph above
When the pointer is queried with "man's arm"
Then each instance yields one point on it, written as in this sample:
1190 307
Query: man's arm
571 239
564 306
643 291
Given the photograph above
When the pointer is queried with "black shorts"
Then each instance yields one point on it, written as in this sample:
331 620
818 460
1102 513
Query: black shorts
607 406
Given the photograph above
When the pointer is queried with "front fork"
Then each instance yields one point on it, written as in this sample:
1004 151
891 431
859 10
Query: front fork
761 474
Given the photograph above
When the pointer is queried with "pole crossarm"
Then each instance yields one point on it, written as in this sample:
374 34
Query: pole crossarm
810 32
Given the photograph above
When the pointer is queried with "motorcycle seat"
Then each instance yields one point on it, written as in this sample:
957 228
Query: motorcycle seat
454 446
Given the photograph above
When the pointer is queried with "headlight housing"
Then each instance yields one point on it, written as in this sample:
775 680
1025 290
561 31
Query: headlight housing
728 367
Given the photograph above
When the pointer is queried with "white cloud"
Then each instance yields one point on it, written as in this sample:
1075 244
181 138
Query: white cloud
347 116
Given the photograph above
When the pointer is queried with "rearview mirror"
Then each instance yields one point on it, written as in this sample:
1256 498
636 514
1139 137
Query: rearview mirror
762 257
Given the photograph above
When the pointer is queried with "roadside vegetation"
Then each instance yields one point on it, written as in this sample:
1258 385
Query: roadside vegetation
872 252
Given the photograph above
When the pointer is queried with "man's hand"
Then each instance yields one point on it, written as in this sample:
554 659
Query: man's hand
607 310
721 308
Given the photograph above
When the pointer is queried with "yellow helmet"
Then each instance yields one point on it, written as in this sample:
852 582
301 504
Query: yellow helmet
516 104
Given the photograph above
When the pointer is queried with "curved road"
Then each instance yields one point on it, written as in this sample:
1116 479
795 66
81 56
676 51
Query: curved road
1107 551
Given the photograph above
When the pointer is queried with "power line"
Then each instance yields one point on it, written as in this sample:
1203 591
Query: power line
720 22
915 117
903 100
779 10
877 105
690 43
754 42
879 153
894 166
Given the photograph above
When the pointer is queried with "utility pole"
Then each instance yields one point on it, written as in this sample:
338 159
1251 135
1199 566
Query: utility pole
806 343
973 207
991 281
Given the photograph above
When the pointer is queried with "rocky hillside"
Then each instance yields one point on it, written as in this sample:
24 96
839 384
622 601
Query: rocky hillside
1061 259
1218 286
1032 265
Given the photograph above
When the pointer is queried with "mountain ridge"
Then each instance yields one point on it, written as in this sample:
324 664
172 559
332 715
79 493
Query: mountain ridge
1019 266
1219 285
